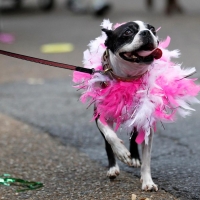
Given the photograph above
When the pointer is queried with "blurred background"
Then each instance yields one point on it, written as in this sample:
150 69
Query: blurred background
33 23
43 96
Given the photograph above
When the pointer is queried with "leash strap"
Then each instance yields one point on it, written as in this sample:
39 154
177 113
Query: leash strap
47 62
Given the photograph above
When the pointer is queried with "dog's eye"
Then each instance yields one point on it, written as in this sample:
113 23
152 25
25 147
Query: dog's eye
128 33
152 29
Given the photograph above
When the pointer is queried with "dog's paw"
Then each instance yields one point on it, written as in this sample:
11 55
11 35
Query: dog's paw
113 172
148 184
136 162
121 151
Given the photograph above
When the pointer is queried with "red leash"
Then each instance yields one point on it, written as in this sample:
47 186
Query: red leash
47 62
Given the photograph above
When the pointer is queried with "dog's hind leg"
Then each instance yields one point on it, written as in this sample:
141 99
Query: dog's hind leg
146 179
116 144
134 149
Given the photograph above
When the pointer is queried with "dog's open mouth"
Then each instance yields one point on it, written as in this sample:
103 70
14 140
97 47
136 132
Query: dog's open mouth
135 56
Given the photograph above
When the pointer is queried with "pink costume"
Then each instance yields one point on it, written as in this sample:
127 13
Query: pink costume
159 95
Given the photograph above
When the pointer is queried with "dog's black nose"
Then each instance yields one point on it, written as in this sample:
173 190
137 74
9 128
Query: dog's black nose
145 33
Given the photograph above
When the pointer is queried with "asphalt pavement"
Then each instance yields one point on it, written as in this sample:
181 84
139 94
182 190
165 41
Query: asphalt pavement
43 100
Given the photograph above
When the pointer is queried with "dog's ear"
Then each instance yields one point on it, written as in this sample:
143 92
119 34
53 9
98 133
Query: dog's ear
108 32
108 42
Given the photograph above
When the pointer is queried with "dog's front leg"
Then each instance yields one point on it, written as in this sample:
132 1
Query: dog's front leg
146 179
117 145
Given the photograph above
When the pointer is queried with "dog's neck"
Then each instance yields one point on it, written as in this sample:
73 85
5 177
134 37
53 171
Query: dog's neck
124 68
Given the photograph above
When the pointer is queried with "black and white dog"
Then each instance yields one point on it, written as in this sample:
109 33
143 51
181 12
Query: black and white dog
132 47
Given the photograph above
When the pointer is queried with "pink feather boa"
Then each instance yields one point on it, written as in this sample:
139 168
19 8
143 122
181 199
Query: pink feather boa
159 95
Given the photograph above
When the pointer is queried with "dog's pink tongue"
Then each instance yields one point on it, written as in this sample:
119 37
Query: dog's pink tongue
157 54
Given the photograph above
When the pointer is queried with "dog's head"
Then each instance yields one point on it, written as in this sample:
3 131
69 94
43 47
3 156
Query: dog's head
134 42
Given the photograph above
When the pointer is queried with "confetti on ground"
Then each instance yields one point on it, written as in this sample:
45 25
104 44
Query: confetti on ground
7 38
7 180
34 81
57 48
133 197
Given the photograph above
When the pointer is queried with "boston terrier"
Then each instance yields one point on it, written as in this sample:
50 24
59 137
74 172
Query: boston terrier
132 47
